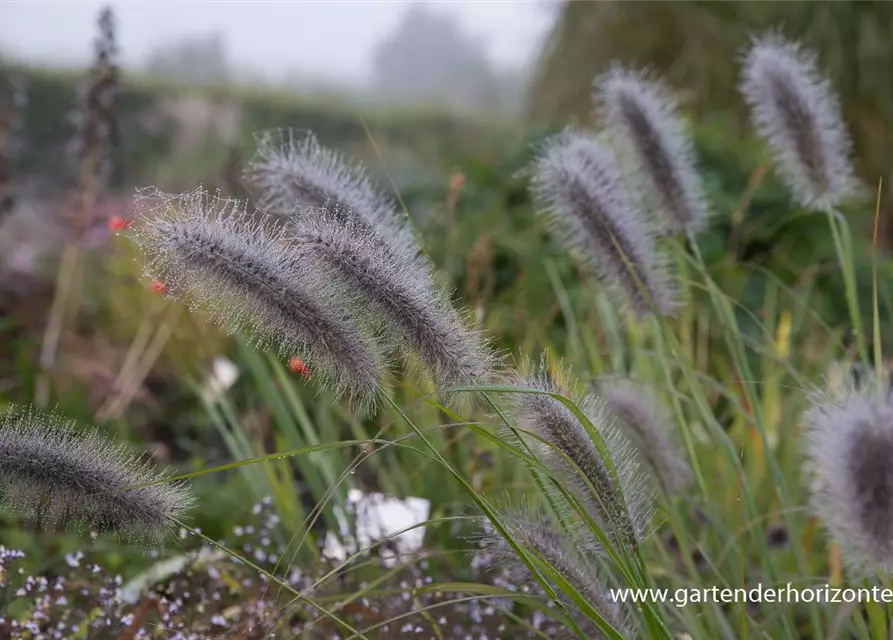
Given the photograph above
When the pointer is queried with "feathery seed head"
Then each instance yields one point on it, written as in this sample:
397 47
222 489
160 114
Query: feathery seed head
635 407
535 531
51 473
849 446
579 189
292 174
797 113
399 293
623 504
641 114
209 251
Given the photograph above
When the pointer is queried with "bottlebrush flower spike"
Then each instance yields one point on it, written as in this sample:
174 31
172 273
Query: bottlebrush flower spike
291 173
797 113
54 474
383 285
637 409
537 532
209 251
849 446
623 506
641 113
580 190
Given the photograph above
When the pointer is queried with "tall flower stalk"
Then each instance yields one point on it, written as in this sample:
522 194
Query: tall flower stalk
637 409
96 135
797 113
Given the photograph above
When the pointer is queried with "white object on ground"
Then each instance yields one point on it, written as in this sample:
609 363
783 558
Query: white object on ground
380 517
223 375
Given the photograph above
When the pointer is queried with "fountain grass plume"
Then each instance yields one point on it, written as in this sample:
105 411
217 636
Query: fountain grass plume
54 474
636 408
209 251
849 446
797 113
640 113
368 273
291 173
536 532
579 188
622 506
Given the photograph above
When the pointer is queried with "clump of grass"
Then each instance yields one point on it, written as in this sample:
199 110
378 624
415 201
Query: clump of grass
328 271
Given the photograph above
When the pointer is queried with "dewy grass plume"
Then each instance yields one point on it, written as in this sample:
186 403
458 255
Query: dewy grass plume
798 115
291 173
54 474
579 188
209 251
571 558
849 446
640 113
349 259
635 406
622 506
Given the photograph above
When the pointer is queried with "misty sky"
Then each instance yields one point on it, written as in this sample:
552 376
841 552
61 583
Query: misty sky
327 39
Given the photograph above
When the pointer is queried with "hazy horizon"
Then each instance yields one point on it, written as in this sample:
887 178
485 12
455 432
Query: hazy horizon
325 40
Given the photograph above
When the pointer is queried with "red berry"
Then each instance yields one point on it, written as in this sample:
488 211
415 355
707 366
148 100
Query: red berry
296 365
158 286
117 223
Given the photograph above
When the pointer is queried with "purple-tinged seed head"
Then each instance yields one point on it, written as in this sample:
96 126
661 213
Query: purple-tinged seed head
797 113
641 114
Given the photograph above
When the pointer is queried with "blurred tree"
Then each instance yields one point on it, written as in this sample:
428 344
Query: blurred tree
429 58
192 60
696 45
